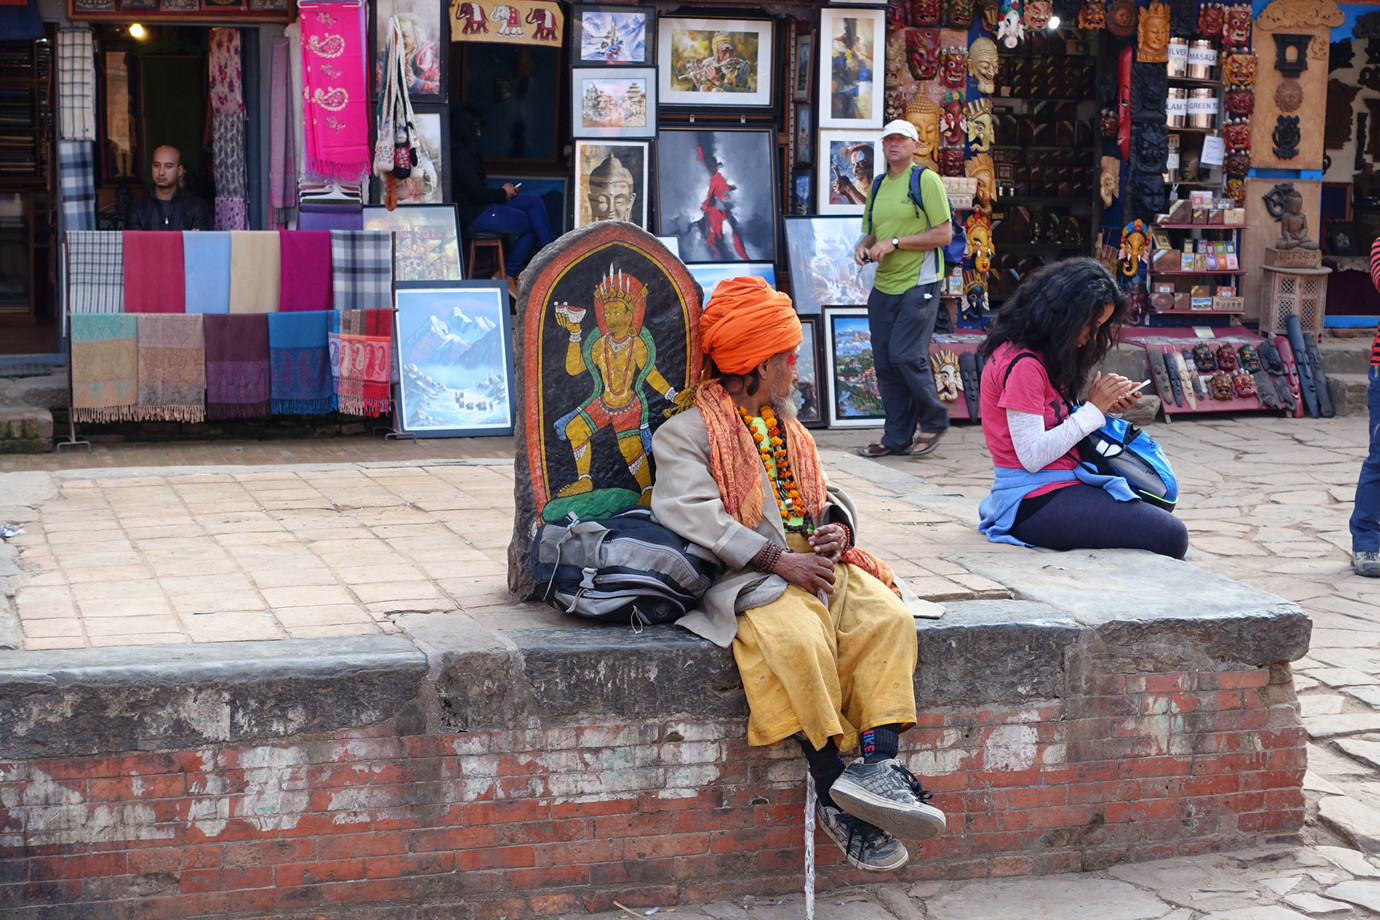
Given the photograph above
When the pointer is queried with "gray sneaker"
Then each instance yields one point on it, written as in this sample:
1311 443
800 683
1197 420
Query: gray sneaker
888 795
865 846
1367 564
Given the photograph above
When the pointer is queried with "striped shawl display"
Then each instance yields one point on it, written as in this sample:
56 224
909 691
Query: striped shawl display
105 367
299 362
362 269
77 169
172 368
237 374
95 272
361 360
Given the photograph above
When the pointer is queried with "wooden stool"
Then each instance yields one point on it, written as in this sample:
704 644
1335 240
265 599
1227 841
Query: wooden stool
492 243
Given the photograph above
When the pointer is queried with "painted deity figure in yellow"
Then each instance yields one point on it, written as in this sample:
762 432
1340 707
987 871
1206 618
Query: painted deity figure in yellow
621 360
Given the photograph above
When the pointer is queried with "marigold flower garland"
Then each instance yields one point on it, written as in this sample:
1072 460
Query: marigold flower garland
772 449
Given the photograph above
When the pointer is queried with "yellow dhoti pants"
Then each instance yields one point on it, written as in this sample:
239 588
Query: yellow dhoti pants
829 672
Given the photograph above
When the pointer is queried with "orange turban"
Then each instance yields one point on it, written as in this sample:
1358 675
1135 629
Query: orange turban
746 322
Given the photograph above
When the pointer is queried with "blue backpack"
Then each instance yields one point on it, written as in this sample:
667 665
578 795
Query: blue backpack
1119 448
958 246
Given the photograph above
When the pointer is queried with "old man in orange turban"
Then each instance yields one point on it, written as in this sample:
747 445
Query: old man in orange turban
824 645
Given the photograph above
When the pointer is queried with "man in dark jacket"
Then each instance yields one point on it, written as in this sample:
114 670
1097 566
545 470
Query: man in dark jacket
166 206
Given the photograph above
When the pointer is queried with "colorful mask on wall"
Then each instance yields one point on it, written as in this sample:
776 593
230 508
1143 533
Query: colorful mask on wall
1238 163
953 67
953 126
1236 189
1221 385
1093 15
1226 357
990 14
1203 359
1010 31
922 53
924 12
978 227
925 114
1154 34
981 168
897 14
951 161
1240 101
1122 16
958 14
1236 28
1289 95
982 64
1210 19
974 294
1107 122
981 132
1237 134
1134 248
1239 69
1037 13
948 383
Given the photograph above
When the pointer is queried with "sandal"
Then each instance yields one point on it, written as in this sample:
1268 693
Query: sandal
925 442
880 450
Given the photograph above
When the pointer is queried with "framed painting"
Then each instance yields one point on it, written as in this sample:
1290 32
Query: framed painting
613 102
854 400
802 192
819 252
611 182
803 77
431 186
810 390
709 274
613 35
446 391
425 27
554 192
851 44
672 244
426 241
849 160
1341 238
512 86
804 135
715 62
716 192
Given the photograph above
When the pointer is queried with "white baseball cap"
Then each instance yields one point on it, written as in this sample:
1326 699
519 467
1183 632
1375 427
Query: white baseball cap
903 128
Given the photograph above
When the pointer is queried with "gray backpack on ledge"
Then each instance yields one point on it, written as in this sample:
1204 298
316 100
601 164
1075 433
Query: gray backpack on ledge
625 568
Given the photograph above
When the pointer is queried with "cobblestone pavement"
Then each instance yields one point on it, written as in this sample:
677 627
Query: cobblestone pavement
194 542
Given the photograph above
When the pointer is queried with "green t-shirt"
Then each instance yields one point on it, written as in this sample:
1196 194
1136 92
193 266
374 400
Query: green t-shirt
893 214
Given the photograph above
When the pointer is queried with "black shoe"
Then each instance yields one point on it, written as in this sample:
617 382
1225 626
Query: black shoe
864 845
888 795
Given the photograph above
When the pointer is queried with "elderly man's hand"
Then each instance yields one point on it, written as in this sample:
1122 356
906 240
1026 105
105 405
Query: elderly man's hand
811 572
829 541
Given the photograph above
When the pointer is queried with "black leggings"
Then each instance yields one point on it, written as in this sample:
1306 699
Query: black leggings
1086 517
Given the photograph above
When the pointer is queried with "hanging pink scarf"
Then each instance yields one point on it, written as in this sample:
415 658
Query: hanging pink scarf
335 98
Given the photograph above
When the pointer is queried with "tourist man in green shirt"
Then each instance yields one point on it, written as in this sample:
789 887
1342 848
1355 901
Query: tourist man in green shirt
905 241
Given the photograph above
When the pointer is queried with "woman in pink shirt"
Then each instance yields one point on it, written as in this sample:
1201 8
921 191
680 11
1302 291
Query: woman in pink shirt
1041 350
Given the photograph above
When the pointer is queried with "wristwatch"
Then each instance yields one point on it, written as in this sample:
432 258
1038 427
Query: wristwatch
895 242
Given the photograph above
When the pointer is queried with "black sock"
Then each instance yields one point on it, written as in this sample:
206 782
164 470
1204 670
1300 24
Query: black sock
825 766
880 743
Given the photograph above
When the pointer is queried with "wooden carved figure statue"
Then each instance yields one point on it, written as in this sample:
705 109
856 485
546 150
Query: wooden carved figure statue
1285 204
1109 180
1154 34
926 115
981 168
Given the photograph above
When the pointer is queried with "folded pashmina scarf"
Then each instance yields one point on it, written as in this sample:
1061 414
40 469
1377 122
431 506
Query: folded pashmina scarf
254 271
105 366
172 368
361 349
154 266
307 283
206 256
299 363
237 374
95 272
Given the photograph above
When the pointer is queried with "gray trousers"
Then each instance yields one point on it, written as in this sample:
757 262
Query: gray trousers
901 326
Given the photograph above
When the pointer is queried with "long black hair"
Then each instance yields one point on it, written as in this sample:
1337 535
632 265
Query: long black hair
465 122
1050 310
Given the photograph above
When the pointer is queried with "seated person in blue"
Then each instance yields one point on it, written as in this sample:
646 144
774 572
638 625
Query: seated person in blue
1040 350
485 209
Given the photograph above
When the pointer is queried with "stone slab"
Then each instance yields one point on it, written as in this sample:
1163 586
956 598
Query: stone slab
1046 899
1363 893
1316 906
1350 861
87 701
1109 589
1348 723
1367 752
1356 822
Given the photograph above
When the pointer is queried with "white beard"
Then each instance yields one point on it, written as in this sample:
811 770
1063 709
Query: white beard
784 407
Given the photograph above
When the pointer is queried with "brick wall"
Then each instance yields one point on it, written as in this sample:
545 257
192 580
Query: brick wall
488 824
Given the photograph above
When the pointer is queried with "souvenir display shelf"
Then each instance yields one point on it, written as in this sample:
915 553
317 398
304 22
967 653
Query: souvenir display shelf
1157 346
1178 288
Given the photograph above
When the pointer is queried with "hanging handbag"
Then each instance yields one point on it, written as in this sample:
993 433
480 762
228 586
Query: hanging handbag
385 138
